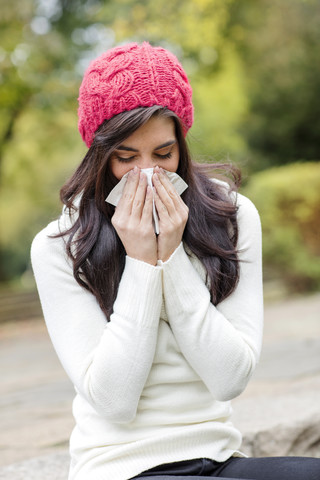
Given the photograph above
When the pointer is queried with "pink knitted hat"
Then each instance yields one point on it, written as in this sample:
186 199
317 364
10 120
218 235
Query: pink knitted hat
128 77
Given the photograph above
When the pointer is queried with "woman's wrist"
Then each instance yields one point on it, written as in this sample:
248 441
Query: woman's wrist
172 254
150 260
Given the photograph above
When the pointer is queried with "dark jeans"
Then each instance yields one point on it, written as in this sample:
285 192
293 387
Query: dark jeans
265 468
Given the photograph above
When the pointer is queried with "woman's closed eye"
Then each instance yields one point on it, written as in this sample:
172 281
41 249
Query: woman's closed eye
161 156
125 159
164 155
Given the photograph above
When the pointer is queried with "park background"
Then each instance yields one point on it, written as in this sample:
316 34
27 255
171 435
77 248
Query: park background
255 71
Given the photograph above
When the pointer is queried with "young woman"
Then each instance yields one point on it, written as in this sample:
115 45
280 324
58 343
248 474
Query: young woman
157 331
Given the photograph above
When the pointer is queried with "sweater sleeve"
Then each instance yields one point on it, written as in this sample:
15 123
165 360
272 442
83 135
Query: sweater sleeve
221 343
108 363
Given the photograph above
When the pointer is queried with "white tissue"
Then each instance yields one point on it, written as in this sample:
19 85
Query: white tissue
115 194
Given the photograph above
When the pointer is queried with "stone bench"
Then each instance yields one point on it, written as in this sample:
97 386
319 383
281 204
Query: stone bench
301 437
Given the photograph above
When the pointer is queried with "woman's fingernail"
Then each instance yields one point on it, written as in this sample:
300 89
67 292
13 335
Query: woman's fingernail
135 170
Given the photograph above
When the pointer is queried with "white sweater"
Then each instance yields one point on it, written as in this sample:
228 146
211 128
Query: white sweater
153 385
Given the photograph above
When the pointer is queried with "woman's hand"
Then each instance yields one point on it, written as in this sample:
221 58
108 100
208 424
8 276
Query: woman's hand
132 219
172 212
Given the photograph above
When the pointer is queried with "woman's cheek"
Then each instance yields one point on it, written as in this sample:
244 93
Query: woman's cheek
119 169
170 164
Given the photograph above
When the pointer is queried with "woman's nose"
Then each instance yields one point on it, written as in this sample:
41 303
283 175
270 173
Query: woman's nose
147 162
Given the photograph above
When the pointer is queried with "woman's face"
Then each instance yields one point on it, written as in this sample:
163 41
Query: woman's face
153 144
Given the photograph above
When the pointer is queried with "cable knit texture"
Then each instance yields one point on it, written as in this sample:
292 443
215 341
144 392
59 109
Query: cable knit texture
154 384
128 77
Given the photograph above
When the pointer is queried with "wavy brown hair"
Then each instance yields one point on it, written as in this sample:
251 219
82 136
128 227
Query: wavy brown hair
92 243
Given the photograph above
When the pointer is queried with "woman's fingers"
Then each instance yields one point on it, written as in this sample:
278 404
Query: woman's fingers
132 219
173 215
164 193
169 196
161 208
146 219
140 196
129 191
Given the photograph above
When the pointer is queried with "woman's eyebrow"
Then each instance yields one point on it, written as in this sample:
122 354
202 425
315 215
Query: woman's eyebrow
131 149
127 149
166 144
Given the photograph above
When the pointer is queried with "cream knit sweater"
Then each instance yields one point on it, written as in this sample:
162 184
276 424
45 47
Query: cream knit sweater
153 385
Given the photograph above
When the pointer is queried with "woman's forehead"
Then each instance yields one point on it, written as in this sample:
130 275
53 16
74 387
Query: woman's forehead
157 131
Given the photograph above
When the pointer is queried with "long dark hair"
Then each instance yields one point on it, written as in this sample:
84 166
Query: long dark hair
92 243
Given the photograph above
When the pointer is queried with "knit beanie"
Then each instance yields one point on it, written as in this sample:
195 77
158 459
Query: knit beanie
131 76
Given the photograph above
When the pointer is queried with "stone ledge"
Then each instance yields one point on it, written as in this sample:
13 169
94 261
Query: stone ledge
47 467
301 438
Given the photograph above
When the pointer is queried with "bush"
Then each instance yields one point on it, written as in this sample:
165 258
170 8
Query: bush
288 200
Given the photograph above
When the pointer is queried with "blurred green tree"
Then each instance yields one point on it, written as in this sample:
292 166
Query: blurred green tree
288 200
45 47
279 43
253 66
40 66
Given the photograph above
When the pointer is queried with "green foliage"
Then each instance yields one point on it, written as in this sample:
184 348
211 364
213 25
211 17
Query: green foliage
39 142
253 66
220 104
35 167
288 200
279 43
